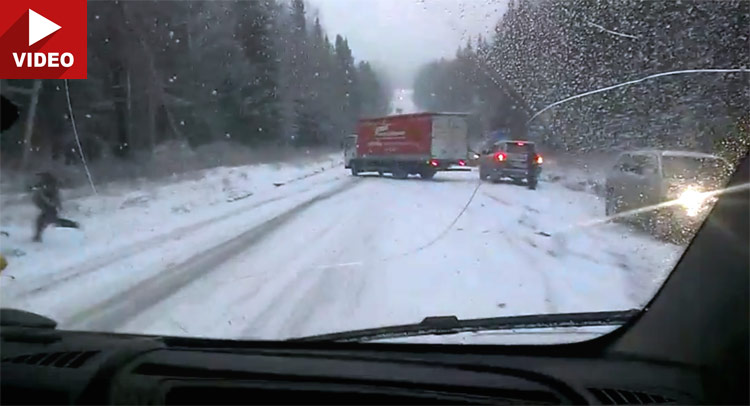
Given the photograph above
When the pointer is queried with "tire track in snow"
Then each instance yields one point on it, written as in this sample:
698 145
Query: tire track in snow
521 242
328 282
284 296
548 296
119 309
263 286
303 294
74 272
561 293
326 287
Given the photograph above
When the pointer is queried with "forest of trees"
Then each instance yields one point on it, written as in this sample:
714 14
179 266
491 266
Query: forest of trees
543 51
255 72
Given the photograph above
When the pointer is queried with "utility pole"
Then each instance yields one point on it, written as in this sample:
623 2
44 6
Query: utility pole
29 130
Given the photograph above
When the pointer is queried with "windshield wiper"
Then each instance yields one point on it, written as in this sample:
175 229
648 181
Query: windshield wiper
453 325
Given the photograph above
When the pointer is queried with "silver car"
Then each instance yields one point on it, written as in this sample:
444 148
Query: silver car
667 189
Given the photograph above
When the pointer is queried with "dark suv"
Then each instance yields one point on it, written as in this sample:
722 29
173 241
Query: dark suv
516 160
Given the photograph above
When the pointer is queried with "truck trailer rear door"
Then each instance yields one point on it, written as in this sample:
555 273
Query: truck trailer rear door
449 137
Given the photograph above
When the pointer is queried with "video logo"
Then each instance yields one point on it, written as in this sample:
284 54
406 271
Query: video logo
43 39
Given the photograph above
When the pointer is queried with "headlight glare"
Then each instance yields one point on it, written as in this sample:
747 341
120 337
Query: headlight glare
692 200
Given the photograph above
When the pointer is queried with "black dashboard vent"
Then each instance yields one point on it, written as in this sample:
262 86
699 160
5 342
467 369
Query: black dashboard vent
609 396
72 359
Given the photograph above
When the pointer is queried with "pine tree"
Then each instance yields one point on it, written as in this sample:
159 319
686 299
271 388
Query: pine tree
256 72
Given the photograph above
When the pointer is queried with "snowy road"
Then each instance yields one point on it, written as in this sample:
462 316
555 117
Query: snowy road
331 252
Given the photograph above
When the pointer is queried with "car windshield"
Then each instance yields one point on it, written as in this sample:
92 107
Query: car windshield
266 170
686 167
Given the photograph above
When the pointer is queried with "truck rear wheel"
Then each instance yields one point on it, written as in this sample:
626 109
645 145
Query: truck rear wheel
532 181
399 173
354 168
427 173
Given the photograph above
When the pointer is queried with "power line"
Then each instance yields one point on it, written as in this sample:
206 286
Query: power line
78 141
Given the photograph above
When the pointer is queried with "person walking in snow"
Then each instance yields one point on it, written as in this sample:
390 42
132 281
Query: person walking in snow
46 196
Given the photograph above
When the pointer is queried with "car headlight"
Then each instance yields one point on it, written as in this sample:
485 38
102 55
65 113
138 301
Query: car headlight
692 200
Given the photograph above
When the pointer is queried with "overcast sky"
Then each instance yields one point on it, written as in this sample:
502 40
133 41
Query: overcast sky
401 35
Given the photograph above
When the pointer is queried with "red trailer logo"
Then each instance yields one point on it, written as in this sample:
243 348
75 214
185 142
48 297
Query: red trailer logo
383 131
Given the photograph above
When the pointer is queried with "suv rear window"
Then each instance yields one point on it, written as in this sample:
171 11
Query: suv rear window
519 148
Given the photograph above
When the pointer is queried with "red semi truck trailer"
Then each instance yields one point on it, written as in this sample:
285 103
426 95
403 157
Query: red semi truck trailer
422 144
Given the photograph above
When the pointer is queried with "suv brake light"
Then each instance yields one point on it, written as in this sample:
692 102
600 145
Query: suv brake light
434 162
538 159
500 157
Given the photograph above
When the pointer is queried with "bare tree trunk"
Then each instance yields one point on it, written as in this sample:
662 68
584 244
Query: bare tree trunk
30 122
151 120
156 83
129 103
119 94
189 31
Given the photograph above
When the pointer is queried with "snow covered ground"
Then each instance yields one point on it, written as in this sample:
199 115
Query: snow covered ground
280 251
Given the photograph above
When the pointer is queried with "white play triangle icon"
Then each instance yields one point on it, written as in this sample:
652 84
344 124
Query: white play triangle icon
39 27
